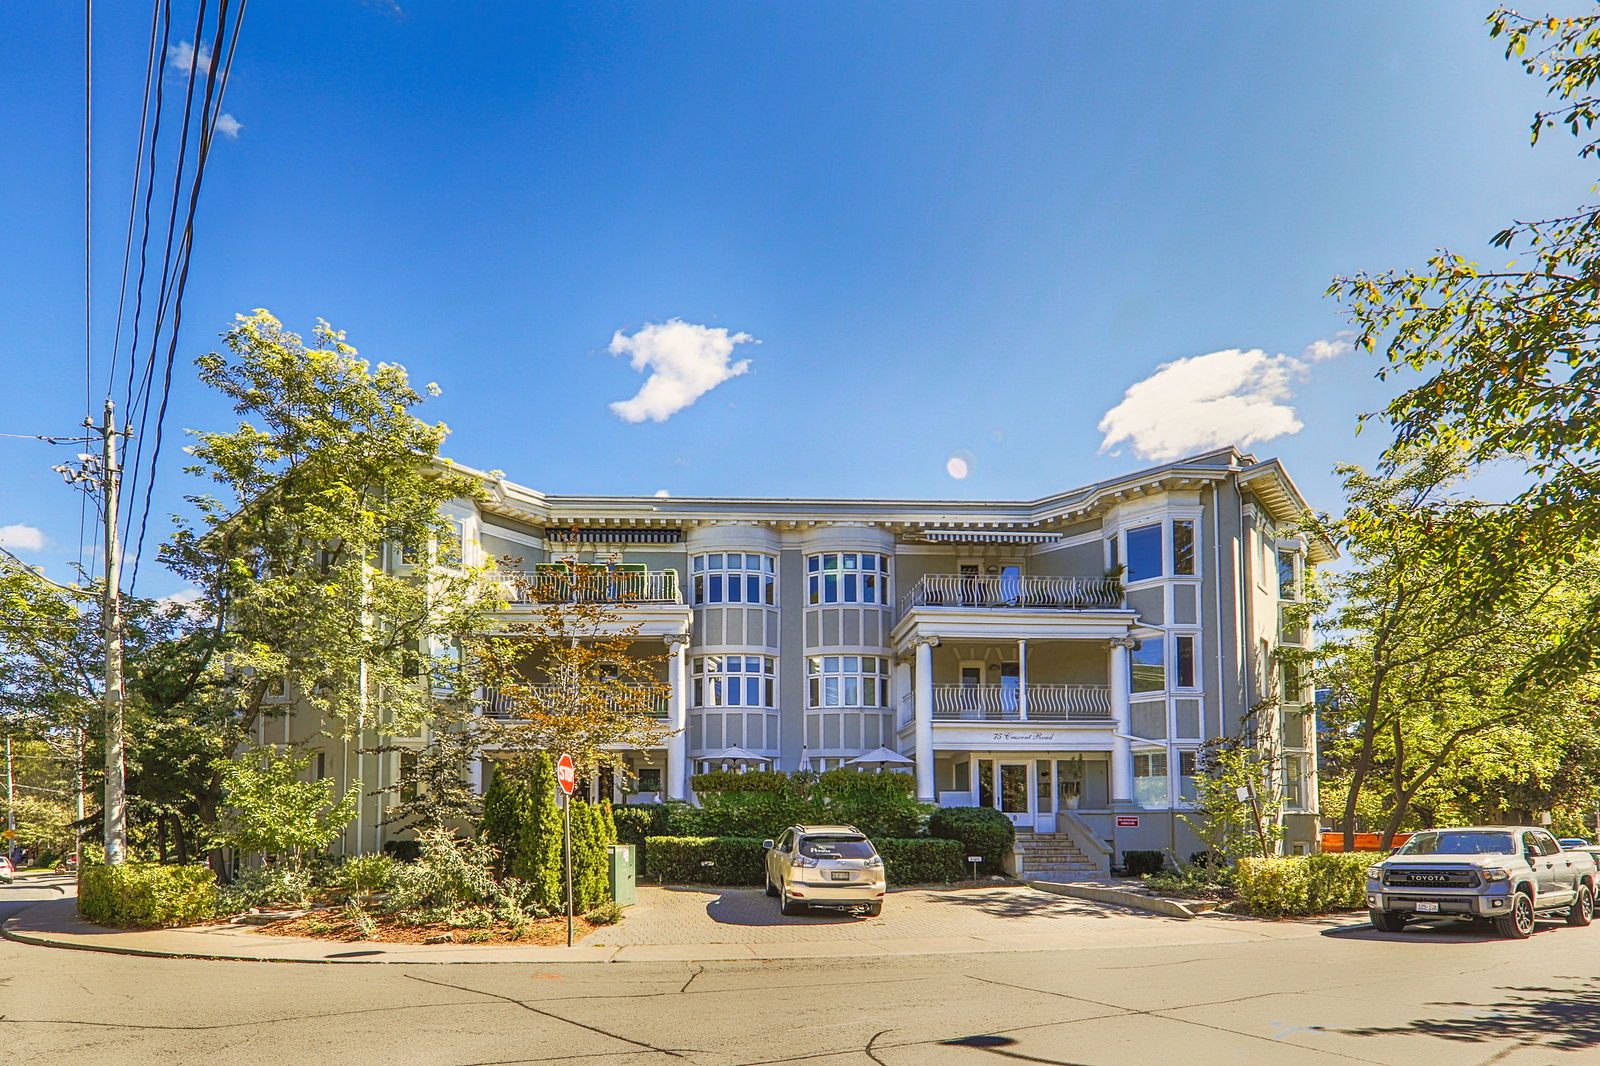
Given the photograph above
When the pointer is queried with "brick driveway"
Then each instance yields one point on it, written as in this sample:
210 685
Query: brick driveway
705 915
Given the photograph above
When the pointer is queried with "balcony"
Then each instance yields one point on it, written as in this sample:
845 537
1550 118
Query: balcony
1003 703
547 584
1014 592
498 707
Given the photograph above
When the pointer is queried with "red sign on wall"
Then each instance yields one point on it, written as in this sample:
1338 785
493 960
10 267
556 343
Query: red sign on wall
1127 821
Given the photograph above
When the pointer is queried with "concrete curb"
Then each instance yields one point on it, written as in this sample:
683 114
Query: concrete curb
1100 894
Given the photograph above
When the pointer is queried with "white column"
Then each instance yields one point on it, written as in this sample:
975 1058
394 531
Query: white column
1022 679
922 682
1121 746
678 743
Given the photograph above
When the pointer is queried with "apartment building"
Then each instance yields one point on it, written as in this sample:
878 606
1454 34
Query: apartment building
1059 659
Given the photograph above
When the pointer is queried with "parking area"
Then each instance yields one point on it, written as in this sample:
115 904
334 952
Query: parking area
689 915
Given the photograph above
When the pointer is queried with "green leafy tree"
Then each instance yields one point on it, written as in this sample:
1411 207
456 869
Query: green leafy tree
1236 813
274 810
324 558
1503 362
1425 715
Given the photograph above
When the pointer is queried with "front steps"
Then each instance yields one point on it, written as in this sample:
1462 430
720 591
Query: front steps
1053 856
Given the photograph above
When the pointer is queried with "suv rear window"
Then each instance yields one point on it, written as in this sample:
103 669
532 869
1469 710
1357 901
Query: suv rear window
836 848
1432 843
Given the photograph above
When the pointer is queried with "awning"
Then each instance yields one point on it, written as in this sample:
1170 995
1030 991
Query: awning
986 536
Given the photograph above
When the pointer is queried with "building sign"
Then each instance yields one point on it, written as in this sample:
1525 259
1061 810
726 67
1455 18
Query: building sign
1024 736
1127 821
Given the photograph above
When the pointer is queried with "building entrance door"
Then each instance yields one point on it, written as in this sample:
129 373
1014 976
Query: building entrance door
1013 793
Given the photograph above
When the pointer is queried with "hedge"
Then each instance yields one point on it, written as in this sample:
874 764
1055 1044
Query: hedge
1139 863
912 862
980 830
147 895
741 860
1299 885
638 821
705 860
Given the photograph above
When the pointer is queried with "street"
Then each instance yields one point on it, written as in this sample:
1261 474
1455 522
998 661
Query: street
1446 995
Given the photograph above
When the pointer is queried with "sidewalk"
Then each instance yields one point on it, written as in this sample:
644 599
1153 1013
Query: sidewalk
703 925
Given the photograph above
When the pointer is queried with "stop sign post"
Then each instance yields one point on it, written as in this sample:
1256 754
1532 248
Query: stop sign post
567 778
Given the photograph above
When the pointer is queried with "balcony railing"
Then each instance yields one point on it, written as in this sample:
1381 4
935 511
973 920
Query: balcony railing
498 706
1026 593
540 587
1004 703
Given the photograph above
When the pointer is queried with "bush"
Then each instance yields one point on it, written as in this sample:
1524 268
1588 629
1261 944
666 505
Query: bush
278 885
1301 885
981 831
1275 887
1140 863
1338 882
608 913
911 862
1197 880
638 821
364 873
775 781
147 895
732 860
403 850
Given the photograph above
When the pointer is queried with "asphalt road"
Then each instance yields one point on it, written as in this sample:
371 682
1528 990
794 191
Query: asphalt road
1440 996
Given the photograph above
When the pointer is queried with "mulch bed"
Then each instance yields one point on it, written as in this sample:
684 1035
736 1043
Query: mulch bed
332 925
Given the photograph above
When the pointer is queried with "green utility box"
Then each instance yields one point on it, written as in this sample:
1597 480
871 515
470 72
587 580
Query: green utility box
622 873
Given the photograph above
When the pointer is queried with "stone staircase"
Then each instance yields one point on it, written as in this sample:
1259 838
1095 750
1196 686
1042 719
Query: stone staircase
1053 855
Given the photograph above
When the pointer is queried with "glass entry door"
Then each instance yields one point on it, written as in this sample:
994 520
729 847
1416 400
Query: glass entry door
1013 793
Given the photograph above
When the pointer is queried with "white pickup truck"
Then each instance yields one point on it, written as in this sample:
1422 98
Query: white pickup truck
1506 873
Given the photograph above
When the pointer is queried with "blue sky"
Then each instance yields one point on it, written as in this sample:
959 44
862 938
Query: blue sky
948 229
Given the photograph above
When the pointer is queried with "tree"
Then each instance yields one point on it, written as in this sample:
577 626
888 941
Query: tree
326 562
1508 357
272 809
1422 678
597 694
1236 812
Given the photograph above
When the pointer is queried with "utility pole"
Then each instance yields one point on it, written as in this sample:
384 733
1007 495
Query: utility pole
116 802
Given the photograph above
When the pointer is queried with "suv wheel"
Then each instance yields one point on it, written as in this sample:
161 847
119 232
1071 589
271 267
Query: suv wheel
1582 910
1387 921
872 910
1518 925
771 889
792 906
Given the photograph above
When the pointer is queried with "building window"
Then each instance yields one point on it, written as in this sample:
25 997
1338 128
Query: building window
734 577
1183 665
649 779
1113 551
1290 690
848 681
1294 772
1288 587
734 681
1144 553
1150 778
452 546
847 577
1183 546
1149 665
1188 762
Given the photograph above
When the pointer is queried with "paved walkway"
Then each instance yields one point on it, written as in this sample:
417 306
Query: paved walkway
693 924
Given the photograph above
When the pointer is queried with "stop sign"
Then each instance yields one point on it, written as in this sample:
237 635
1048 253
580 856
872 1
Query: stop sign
566 774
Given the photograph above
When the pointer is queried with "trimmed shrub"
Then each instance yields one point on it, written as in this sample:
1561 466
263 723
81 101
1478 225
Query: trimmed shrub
1275 887
1140 863
1338 881
730 781
147 895
980 830
403 850
912 862
682 860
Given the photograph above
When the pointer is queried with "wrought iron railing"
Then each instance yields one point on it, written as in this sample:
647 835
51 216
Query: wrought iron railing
1004 703
497 705
540 586
1026 592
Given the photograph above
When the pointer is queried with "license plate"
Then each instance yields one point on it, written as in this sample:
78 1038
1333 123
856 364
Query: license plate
1427 908
840 875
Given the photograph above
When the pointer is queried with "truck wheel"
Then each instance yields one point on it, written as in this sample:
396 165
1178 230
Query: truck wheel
1518 925
1582 910
1387 921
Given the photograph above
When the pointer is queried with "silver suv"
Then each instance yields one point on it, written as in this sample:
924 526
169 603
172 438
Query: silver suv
825 866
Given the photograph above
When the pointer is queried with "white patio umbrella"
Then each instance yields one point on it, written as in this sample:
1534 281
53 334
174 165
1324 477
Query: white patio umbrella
737 756
881 759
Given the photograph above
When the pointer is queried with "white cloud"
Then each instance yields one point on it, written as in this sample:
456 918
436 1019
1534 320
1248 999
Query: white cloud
685 362
1210 401
662 494
181 57
21 538
1331 348
188 599
229 126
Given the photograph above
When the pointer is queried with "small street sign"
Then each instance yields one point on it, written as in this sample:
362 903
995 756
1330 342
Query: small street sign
9 834
566 774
